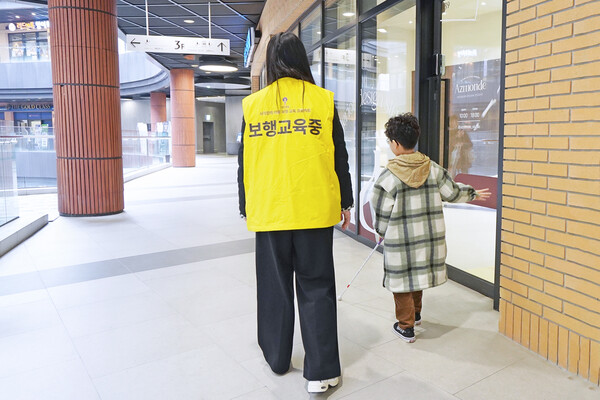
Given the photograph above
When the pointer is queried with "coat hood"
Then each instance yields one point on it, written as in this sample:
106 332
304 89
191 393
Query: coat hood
412 169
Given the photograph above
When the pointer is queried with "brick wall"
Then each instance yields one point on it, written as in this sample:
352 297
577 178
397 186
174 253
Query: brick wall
550 261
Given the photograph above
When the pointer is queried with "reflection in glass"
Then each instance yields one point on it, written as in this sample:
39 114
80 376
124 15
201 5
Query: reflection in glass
340 78
310 28
314 59
473 73
338 13
27 47
388 65
366 5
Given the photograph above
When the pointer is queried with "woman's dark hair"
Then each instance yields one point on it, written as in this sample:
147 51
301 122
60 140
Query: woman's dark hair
286 57
403 129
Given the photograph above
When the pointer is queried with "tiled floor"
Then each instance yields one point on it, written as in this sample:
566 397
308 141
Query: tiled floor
159 303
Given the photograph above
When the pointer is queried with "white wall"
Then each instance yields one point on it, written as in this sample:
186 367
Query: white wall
234 115
217 116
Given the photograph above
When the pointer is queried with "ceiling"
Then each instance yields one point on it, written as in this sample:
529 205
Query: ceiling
230 20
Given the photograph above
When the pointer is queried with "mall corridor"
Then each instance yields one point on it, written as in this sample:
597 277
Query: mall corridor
158 302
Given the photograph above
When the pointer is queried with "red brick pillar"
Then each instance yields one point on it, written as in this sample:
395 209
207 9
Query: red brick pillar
183 117
85 79
158 108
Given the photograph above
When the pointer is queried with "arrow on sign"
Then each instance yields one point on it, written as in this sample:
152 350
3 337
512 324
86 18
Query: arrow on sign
133 43
221 46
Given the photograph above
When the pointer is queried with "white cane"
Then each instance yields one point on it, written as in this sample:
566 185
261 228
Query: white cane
360 269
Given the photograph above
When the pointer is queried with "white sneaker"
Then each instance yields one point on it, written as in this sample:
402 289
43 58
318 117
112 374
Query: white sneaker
322 386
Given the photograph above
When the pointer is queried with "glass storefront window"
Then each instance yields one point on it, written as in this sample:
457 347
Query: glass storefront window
338 13
310 28
340 78
473 71
387 84
366 5
30 46
314 59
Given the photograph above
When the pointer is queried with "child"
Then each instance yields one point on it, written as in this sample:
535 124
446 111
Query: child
407 199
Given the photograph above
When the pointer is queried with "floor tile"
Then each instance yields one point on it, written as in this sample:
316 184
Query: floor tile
63 381
236 336
363 327
27 317
402 385
115 313
216 304
531 378
361 368
96 290
206 373
36 349
452 358
24 297
260 394
118 349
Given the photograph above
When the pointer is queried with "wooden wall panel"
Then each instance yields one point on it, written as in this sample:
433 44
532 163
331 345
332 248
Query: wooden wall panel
183 117
85 78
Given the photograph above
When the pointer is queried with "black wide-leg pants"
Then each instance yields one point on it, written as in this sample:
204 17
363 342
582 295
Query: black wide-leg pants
309 254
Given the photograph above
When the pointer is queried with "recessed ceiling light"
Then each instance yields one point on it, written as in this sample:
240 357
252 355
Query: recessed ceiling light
483 3
188 21
382 30
194 65
410 22
348 14
17 16
33 14
218 68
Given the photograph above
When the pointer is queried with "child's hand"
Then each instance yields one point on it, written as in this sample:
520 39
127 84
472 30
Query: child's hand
482 194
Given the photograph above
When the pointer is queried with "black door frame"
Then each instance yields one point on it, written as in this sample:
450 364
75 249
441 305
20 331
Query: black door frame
428 94
427 98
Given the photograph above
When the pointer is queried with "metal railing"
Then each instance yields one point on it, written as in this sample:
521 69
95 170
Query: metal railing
32 155
9 208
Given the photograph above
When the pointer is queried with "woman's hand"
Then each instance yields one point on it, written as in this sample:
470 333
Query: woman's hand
482 194
345 219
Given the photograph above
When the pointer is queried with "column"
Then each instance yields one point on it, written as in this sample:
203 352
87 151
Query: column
158 108
85 79
183 118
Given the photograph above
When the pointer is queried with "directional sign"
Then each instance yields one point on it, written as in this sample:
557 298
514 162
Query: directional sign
174 44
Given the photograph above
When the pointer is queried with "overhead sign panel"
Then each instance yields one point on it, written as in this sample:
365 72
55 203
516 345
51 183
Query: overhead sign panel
174 44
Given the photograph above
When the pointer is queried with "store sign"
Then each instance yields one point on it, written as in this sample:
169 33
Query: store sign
250 46
179 45
475 94
28 26
26 107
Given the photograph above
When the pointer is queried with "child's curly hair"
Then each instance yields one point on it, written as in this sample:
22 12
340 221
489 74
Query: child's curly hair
403 129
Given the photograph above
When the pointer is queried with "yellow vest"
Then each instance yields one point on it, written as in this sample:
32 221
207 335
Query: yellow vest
289 167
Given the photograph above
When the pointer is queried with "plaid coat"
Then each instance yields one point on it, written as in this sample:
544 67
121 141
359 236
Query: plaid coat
411 221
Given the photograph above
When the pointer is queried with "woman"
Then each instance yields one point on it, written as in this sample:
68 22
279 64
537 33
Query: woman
294 186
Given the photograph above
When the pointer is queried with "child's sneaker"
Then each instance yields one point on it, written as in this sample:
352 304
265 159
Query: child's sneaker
408 334
417 318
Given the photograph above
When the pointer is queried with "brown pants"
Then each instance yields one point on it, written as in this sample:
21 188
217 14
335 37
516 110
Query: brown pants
407 304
